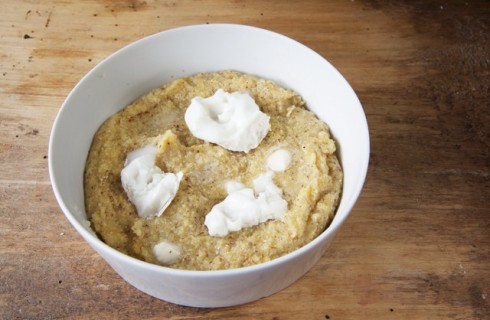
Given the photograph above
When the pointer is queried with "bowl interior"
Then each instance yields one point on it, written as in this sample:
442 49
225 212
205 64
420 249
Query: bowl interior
155 60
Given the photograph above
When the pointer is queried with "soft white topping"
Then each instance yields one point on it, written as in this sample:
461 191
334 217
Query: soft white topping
166 252
233 185
149 188
231 120
244 207
279 160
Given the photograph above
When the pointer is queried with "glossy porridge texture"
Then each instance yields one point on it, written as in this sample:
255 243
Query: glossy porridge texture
311 185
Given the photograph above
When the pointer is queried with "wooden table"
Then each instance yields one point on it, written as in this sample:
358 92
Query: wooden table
417 245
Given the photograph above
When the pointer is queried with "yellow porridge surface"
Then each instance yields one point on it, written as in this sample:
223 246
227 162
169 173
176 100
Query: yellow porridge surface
311 185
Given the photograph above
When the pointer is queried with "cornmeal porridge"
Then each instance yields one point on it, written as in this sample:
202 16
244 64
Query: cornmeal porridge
308 180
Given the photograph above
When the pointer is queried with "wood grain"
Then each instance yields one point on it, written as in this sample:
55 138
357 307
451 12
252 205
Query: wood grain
417 245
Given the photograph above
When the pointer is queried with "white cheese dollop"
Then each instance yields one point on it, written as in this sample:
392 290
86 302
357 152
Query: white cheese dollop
279 160
167 252
246 207
231 120
149 188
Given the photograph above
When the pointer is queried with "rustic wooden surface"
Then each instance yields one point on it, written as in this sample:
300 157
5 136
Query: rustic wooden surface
417 245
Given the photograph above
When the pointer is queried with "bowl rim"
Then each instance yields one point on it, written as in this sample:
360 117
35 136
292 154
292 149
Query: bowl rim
98 244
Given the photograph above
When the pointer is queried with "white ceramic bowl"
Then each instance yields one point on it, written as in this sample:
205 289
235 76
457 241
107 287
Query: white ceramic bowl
157 59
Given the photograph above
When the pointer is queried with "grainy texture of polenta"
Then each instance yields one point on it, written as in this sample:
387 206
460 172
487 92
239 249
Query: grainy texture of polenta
311 185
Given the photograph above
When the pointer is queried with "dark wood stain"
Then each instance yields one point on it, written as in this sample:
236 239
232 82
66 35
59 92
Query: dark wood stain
120 6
